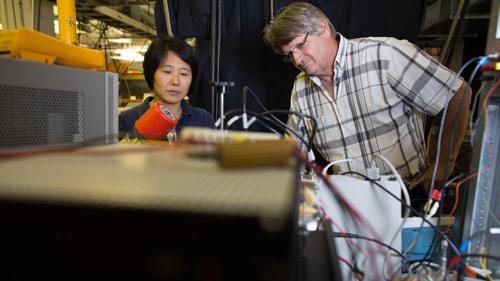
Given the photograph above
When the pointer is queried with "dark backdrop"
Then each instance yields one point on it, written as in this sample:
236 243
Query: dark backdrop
245 59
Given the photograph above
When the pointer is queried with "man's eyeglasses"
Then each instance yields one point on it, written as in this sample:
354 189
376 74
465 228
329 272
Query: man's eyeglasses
289 57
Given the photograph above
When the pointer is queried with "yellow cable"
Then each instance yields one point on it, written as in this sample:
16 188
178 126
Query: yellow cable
482 262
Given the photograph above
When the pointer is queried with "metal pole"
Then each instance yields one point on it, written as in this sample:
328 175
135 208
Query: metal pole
455 26
223 91
67 21
166 10
213 28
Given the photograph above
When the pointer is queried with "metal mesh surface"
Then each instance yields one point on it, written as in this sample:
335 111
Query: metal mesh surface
36 116
157 180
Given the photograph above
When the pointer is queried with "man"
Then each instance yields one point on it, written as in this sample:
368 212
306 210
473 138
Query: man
368 95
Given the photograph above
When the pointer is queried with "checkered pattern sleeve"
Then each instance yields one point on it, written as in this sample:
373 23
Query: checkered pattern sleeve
418 78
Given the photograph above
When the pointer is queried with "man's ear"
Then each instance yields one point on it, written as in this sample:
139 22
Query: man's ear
326 28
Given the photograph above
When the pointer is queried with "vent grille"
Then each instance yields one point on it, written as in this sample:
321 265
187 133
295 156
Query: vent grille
37 116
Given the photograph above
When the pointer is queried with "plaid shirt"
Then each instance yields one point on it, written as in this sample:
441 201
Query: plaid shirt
383 87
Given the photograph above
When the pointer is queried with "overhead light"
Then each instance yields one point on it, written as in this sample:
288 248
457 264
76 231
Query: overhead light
121 40
129 54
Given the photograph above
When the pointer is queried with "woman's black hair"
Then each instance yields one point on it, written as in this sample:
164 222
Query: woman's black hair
159 48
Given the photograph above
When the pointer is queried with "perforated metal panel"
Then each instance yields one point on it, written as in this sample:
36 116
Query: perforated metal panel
44 104
54 116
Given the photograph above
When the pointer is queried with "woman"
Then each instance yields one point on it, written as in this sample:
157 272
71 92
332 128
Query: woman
169 68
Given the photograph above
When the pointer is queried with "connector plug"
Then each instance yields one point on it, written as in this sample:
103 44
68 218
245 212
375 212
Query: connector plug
494 56
373 172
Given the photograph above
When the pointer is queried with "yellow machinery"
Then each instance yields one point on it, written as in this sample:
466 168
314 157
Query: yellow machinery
32 45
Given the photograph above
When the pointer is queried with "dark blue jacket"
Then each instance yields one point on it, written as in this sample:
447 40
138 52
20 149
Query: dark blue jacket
191 117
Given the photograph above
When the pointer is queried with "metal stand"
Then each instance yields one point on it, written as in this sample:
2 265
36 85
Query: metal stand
222 85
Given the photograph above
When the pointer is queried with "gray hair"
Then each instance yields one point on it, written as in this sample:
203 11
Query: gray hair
292 21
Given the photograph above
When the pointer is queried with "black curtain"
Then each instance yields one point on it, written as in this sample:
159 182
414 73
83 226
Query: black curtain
245 59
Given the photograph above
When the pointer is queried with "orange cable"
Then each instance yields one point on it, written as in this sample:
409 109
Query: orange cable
457 192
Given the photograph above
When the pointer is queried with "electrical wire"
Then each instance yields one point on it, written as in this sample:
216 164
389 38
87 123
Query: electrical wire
452 180
357 236
440 202
459 259
406 196
282 125
353 270
470 238
488 95
457 192
325 169
246 90
298 114
413 267
264 116
237 117
353 213
327 218
450 150
413 210
438 149
453 130
441 128
484 265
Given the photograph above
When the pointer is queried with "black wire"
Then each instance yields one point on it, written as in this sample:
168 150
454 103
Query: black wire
413 210
438 224
273 121
447 165
428 254
233 111
267 126
247 89
450 149
300 115
455 178
281 125
490 257
440 213
357 236
257 120
345 207
323 223
338 197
